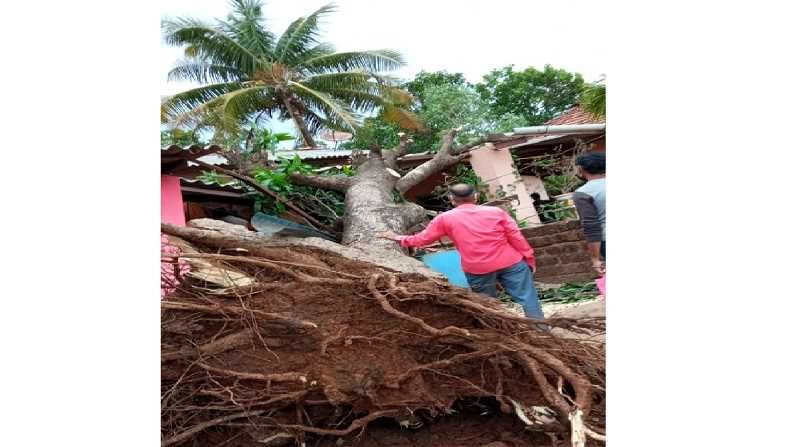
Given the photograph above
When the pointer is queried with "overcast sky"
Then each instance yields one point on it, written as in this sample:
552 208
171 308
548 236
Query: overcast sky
471 37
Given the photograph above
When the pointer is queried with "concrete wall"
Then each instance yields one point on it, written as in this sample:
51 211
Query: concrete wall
535 184
496 169
561 253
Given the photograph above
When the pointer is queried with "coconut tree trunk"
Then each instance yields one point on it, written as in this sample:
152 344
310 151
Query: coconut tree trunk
298 119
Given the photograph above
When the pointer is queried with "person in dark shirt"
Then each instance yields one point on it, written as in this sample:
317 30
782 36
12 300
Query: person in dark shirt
589 199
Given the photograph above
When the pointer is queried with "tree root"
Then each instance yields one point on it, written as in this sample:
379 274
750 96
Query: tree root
458 336
456 359
358 423
238 311
217 421
277 377
382 300
216 347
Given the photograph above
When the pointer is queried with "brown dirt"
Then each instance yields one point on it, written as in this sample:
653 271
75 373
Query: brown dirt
332 351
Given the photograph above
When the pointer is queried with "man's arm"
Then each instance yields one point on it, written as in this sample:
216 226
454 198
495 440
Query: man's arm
589 218
432 233
517 240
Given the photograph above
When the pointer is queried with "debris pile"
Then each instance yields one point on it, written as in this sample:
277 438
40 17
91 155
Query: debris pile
317 349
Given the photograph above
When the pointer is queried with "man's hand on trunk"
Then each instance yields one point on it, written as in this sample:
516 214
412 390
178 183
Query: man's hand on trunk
391 235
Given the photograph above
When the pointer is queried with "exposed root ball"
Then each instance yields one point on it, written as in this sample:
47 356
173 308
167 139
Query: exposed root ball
338 349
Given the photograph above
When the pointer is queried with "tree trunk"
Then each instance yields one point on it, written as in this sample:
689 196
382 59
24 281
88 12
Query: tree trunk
373 204
309 140
370 207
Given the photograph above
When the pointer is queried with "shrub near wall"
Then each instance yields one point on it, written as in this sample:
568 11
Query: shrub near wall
561 252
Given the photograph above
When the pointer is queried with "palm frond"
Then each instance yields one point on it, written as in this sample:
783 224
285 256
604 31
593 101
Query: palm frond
301 35
202 115
332 81
235 107
357 100
203 72
247 27
173 106
321 49
394 95
225 112
594 99
209 44
331 108
402 117
316 123
372 61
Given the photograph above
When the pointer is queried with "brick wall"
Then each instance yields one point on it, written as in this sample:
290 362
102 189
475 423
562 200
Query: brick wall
561 253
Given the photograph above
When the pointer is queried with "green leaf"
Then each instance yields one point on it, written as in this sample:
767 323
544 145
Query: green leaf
203 72
301 34
373 61
209 44
332 108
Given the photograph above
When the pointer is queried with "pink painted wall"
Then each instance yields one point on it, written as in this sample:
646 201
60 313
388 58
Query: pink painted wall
171 211
171 208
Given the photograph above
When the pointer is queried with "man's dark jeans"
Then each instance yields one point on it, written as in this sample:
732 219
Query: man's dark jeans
517 281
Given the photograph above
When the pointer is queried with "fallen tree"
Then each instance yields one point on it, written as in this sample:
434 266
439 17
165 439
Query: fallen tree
372 196
334 351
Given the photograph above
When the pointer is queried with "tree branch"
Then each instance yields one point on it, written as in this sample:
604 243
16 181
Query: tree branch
254 184
441 161
469 146
390 157
447 141
335 183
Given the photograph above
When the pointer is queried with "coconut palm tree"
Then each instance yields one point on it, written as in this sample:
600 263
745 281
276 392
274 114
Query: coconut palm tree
594 98
246 70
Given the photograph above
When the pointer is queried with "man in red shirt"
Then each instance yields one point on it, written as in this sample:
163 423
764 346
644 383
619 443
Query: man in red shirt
492 248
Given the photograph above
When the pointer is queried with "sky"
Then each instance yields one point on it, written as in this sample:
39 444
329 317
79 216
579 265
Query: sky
470 37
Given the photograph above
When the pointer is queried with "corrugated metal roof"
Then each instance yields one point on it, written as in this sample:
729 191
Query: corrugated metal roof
198 186
200 183
176 153
179 161
315 154
574 115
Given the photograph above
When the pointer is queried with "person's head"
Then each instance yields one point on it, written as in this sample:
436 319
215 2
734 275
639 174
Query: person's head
462 193
591 165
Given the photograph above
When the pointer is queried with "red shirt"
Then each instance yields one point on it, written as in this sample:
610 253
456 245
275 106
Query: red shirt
487 238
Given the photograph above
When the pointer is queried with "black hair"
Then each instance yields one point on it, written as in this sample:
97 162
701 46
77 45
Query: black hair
462 190
592 162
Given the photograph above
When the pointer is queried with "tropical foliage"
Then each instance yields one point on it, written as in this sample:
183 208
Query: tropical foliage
442 101
325 205
536 95
570 293
245 70
180 138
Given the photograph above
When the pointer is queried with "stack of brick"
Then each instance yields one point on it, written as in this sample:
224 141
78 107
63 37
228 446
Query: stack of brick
561 252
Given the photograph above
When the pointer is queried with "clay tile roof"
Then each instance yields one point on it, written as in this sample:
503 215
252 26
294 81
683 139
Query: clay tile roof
575 115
